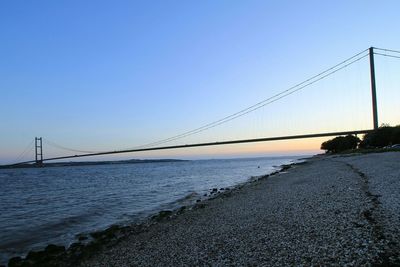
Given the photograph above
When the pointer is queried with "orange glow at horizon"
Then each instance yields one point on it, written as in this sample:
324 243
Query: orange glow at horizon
284 147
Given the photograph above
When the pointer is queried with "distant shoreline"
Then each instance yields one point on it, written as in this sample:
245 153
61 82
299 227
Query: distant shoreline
88 163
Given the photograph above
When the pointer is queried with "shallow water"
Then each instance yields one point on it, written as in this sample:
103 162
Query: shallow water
39 206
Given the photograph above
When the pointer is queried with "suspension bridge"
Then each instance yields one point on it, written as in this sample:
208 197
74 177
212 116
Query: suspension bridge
162 144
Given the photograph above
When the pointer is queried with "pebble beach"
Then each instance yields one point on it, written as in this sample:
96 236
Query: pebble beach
326 211
329 210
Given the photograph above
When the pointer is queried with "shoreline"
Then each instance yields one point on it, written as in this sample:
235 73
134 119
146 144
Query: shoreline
87 243
89 163
328 210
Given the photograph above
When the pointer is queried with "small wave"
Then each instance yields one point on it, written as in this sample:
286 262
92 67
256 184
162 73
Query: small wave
188 198
24 240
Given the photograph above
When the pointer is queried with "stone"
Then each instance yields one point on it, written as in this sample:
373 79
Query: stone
54 249
14 262
161 215
82 238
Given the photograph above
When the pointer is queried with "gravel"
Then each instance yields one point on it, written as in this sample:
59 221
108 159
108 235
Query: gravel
328 211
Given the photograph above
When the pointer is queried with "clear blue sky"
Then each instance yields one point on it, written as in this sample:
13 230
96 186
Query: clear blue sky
100 75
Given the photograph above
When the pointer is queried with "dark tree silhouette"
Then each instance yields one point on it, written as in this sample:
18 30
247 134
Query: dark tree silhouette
381 137
340 143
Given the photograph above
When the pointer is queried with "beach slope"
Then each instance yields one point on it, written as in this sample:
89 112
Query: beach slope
330 210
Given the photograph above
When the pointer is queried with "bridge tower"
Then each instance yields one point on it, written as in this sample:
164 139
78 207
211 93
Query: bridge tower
38 151
373 87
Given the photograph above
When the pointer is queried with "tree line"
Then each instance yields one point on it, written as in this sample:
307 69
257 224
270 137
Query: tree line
384 136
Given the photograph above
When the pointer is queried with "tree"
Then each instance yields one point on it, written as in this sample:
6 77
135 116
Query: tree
381 137
340 143
396 135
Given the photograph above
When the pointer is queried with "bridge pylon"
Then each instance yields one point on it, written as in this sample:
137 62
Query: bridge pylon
373 88
38 151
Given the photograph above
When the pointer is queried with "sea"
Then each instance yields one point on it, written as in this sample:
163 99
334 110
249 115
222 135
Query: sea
52 205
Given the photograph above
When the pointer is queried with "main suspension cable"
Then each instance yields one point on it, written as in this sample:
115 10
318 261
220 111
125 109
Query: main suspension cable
265 102
387 50
67 148
22 154
386 55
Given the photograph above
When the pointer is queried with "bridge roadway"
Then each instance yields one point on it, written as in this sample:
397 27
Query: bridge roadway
304 136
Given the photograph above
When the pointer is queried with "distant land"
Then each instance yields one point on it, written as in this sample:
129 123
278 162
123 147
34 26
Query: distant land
85 163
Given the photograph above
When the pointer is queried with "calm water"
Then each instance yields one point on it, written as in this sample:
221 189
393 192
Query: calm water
53 205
